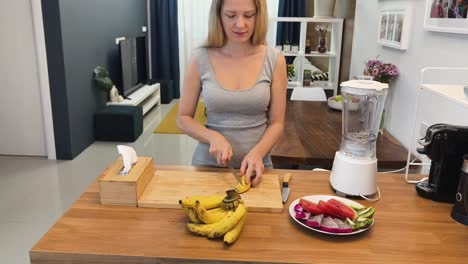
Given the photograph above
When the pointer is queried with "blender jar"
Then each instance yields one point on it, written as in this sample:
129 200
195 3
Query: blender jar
363 103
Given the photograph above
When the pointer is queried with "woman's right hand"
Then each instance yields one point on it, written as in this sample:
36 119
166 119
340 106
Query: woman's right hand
221 150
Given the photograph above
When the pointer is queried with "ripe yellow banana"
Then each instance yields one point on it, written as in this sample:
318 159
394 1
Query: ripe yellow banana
208 217
242 187
228 223
208 202
217 209
205 229
232 235
192 215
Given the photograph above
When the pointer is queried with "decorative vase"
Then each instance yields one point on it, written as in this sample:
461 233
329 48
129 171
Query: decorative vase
308 47
382 123
114 94
322 47
324 8
295 48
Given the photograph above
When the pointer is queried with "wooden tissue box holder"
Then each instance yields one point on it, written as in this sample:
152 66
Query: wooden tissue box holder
125 190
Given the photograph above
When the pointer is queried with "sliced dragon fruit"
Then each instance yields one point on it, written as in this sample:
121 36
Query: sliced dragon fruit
302 215
314 221
328 225
342 226
298 208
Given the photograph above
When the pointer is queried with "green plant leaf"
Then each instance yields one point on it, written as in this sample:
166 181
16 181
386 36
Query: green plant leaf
101 77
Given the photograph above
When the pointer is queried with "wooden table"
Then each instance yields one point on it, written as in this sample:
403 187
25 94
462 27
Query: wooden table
407 229
312 135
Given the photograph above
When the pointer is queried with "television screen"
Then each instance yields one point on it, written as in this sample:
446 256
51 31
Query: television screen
133 60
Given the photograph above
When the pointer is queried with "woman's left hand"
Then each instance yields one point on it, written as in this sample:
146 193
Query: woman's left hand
252 166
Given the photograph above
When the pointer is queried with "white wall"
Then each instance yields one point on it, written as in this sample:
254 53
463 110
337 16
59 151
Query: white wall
425 49
21 121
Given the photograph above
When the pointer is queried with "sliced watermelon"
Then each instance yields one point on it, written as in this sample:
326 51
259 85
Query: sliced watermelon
344 210
322 206
333 211
310 207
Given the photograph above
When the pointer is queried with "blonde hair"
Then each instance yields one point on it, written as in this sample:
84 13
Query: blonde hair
216 35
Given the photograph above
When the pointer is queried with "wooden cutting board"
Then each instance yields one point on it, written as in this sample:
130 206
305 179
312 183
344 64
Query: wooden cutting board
168 187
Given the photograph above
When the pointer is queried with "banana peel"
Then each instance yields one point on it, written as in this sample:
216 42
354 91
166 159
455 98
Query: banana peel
242 187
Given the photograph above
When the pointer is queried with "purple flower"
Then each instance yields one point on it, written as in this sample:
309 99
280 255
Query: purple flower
383 72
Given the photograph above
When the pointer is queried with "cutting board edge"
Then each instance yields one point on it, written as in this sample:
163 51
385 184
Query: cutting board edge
170 206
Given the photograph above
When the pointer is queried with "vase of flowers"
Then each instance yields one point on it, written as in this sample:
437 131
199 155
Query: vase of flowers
381 72
323 30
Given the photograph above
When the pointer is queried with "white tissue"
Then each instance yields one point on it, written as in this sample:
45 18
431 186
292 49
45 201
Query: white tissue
129 157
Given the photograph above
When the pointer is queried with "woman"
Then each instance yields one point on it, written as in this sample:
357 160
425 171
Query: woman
243 84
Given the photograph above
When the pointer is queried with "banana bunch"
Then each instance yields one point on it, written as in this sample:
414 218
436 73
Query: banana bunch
242 187
215 216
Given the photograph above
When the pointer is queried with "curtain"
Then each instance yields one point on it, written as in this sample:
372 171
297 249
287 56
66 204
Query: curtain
164 44
290 31
193 29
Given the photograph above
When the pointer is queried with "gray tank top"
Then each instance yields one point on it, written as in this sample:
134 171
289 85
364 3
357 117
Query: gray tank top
240 116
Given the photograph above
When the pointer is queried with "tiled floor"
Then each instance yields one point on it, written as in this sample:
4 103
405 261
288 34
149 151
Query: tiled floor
35 192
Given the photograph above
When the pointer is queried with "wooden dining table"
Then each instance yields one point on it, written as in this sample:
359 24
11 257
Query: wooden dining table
312 135
407 229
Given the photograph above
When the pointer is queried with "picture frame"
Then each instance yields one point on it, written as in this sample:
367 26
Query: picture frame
394 27
450 16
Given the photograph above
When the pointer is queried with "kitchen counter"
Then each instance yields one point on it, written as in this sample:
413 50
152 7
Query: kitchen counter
407 229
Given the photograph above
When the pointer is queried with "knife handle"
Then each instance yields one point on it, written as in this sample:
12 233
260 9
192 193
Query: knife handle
287 178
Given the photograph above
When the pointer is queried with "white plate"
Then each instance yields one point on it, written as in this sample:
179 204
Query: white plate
334 104
316 199
339 105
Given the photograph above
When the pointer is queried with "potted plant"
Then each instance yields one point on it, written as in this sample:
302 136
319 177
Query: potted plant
291 72
104 83
307 78
295 47
286 46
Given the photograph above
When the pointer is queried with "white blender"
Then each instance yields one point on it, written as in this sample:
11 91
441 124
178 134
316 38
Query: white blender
354 169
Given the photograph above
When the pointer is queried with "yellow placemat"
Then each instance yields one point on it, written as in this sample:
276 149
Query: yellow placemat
169 123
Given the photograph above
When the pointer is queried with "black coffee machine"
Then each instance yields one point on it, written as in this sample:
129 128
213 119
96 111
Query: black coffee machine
445 145
460 209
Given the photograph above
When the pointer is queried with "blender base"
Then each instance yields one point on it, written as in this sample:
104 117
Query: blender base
359 197
353 177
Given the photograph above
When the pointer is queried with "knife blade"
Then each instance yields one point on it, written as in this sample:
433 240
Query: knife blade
236 173
285 189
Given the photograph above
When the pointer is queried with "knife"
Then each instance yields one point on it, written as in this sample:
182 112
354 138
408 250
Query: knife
286 190
235 173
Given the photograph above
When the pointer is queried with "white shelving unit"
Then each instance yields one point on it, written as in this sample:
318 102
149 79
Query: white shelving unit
334 47
440 99
147 96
